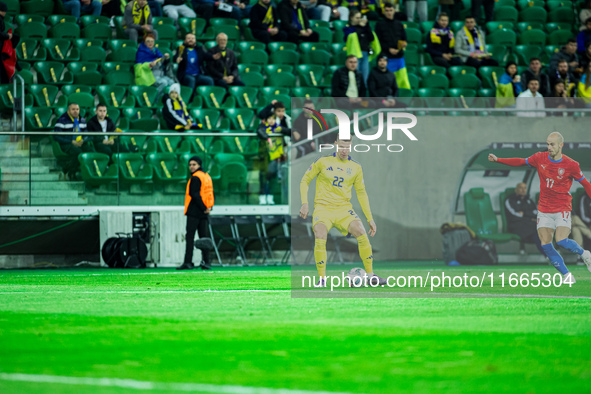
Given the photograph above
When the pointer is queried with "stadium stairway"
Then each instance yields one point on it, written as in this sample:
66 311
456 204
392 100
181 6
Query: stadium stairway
46 188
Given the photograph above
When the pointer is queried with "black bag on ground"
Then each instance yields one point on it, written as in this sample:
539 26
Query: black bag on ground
125 252
454 237
478 252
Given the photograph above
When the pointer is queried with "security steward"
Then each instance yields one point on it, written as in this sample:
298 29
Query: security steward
198 203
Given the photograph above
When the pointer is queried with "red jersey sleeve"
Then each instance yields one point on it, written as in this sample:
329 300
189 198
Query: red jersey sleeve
533 160
576 172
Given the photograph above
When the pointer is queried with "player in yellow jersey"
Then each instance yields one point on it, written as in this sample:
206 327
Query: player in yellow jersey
336 175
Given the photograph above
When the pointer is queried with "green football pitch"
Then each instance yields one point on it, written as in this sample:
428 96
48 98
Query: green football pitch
241 330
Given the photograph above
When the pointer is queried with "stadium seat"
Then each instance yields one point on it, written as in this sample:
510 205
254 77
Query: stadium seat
166 32
466 81
39 7
133 169
192 25
339 34
93 54
244 46
457 25
533 14
97 31
561 15
278 68
525 26
86 20
499 52
523 4
95 169
560 37
255 79
166 170
115 45
39 119
311 76
65 30
439 81
286 56
428 70
26 75
47 96
325 34
241 119
33 29
164 144
319 56
209 118
555 4
431 92
30 50
414 36
281 46
84 100
496 25
53 20
254 56
481 218
307 92
123 55
136 143
459 92
414 81
124 78
85 73
533 37
412 56
504 37
61 50
140 118
53 73
82 43
526 52
115 66
213 97
146 96
268 93
281 79
14 10
550 27
455 71
115 96
245 96
247 68
486 92
506 13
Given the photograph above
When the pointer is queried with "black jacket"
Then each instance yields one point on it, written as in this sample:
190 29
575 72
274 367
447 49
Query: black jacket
382 83
202 56
94 125
257 14
389 32
196 207
285 11
522 225
215 68
268 111
528 75
263 135
301 126
340 83
438 49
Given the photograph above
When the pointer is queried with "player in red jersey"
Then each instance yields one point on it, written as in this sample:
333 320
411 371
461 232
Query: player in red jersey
556 172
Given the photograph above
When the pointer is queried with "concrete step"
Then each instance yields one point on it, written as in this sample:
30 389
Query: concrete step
14 153
48 201
24 162
24 170
41 193
48 177
40 185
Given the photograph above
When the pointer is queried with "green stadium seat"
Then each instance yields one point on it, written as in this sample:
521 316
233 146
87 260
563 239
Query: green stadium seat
39 119
506 13
466 81
95 169
319 56
97 31
124 78
281 79
30 50
192 25
431 92
255 79
241 119
86 20
504 37
166 170
278 68
85 73
523 4
307 92
39 7
123 55
93 54
414 81
61 50
247 68
223 22
245 96
53 20
36 30
84 100
339 53
164 144
281 46
525 26
27 75
560 37
245 46
486 74
311 76
82 43
550 27
564 15
319 23
526 52
209 118
47 96
533 14
481 218
268 93
213 97
24 18
166 32
115 45
14 9
459 92
411 25
414 36
499 52
455 71
339 34
286 56
132 168
140 118
486 92
146 96
456 26
115 96
425 26
136 143
65 30
496 25
428 70
254 56
162 20
53 73
115 66
325 34
435 81
555 4
412 56
533 37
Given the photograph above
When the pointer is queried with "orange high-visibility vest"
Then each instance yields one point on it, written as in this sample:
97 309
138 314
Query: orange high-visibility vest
206 191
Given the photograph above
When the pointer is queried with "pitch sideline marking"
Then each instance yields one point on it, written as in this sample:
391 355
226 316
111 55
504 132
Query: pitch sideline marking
147 385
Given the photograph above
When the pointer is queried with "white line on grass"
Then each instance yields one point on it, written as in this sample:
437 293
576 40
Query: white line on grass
142 273
147 385
144 291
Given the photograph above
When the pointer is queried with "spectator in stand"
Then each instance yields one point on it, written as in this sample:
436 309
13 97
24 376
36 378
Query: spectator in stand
101 122
348 82
8 64
367 8
137 20
452 8
300 131
277 109
489 6
584 87
177 8
441 42
191 61
535 71
208 9
382 83
471 46
112 8
508 86
585 14
83 7
584 37
581 225
568 53
264 23
559 98
295 22
563 73
359 40
224 70
74 144
151 66
421 8
585 58
531 100
175 112
392 38
326 10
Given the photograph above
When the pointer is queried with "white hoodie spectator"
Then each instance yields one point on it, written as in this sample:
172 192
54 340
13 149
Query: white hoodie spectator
530 100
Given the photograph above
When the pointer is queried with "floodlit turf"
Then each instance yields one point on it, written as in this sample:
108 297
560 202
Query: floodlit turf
204 328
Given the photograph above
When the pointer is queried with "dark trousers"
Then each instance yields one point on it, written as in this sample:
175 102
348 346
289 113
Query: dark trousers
108 150
199 225
264 36
71 165
224 84
294 36
479 63
440 61
489 6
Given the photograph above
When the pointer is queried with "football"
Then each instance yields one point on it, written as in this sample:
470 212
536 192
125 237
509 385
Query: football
355 277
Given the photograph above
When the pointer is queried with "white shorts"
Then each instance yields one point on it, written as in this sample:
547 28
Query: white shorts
553 220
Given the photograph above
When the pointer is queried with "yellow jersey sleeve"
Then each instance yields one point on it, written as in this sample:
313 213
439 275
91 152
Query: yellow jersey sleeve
362 195
310 174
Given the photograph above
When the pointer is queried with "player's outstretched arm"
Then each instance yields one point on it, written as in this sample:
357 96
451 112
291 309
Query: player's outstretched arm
586 185
513 162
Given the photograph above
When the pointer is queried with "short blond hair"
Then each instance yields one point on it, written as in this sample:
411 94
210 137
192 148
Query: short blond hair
557 134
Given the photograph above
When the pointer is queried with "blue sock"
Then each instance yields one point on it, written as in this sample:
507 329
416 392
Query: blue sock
555 258
570 245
